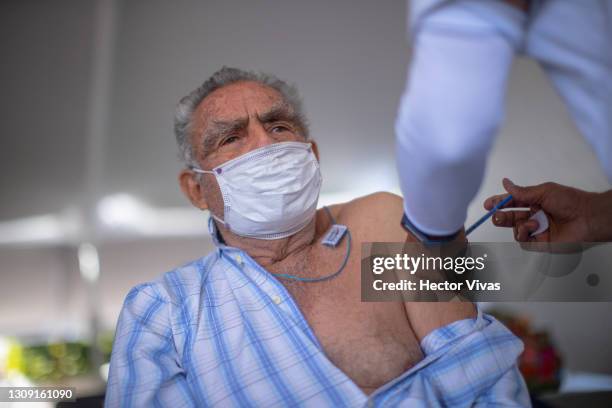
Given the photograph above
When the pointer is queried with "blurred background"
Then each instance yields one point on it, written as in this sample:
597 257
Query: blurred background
90 205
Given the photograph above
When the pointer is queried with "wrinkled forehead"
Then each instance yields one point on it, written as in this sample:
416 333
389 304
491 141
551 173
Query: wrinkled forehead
235 101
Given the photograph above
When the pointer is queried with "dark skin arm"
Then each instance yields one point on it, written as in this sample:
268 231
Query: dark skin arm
573 215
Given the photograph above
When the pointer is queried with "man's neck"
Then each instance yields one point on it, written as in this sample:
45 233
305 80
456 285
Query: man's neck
269 252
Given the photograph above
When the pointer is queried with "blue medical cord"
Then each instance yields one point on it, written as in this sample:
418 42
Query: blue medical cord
487 215
328 277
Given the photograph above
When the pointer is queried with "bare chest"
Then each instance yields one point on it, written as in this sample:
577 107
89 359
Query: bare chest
371 342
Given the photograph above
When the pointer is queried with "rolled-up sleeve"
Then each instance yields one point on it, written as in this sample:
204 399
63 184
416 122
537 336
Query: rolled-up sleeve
468 363
145 369
478 366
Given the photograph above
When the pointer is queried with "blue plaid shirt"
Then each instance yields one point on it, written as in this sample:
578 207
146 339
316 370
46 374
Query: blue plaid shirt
222 331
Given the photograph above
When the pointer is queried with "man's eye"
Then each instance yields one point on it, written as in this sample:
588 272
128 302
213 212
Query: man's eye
280 128
228 140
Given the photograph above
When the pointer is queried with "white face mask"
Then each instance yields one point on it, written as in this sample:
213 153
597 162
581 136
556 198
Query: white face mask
270 192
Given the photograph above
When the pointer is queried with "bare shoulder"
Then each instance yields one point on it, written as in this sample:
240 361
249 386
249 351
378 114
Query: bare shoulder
382 200
375 217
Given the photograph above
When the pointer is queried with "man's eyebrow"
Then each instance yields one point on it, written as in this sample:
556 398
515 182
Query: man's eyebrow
280 111
219 128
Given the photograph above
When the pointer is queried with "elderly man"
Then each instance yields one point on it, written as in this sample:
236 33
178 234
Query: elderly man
273 317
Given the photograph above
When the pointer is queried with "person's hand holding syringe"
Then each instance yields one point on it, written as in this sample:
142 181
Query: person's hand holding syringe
572 215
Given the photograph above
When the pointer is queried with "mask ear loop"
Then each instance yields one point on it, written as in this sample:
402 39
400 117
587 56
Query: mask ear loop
200 171
328 277
214 173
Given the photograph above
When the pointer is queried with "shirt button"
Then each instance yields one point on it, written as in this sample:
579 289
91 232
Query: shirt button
239 259
276 299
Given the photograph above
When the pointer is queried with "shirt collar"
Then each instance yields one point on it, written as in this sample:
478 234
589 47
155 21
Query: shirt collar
218 239
214 233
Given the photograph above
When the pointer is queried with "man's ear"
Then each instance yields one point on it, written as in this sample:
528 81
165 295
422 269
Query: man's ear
315 149
192 189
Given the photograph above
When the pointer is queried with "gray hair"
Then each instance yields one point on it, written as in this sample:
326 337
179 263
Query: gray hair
226 76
